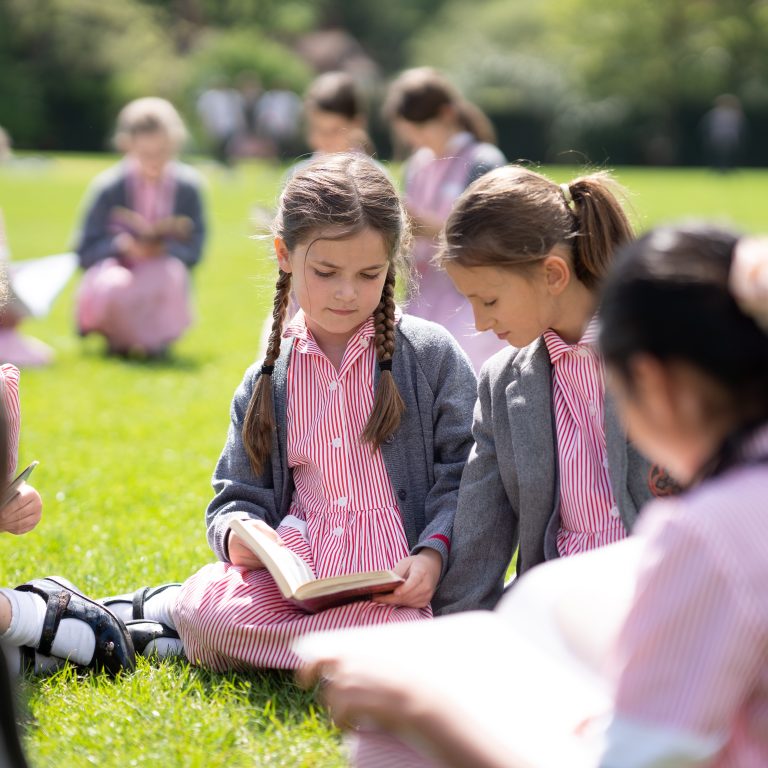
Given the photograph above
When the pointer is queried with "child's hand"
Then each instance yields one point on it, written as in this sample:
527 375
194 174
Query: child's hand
355 692
135 249
421 573
240 554
23 512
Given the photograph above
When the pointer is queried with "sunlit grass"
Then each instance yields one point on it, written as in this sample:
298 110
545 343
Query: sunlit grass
126 451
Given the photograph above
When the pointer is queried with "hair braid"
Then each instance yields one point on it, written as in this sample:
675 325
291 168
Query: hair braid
259 424
388 406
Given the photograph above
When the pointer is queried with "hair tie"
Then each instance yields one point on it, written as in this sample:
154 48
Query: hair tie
748 278
566 190
266 370
385 365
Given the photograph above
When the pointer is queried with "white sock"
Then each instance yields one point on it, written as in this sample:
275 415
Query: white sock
160 607
74 639
27 616
46 664
163 647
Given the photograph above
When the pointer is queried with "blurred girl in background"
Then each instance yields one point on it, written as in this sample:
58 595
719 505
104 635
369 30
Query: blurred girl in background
453 144
142 232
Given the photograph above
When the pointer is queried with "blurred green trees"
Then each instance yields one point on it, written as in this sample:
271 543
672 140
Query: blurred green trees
626 81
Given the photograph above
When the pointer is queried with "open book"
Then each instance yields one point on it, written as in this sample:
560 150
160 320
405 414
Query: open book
35 283
169 228
529 677
297 582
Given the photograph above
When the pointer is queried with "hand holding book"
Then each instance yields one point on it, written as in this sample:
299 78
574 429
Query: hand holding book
295 578
421 573
139 239
241 554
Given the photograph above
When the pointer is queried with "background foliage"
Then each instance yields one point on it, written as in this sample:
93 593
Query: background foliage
565 80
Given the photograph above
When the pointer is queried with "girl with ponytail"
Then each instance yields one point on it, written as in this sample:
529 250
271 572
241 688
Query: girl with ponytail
347 440
551 471
453 144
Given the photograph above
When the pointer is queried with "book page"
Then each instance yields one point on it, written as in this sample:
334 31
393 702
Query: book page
544 711
287 569
37 282
529 675
378 581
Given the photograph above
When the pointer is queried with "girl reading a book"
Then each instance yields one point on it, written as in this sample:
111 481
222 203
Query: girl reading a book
685 339
142 232
347 441
551 471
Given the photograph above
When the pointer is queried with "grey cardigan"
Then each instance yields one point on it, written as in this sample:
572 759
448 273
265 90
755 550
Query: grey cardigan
109 190
424 458
509 493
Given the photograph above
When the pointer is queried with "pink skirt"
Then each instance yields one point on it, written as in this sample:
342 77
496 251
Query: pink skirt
142 307
229 617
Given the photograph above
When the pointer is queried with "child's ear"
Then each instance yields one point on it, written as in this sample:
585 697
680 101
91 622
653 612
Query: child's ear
557 273
283 255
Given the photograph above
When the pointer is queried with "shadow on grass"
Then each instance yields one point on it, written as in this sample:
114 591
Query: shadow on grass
169 361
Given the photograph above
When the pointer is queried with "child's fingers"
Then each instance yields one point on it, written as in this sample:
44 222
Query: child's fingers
309 674
268 530
414 593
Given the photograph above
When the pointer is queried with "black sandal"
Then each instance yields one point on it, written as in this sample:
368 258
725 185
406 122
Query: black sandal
138 598
145 632
114 648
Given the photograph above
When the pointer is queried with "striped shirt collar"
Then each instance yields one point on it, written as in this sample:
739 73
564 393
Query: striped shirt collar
557 347
305 342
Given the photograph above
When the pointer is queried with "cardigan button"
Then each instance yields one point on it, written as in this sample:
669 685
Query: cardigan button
402 494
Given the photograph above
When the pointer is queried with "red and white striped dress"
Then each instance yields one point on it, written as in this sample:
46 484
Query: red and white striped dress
691 662
343 518
589 515
9 389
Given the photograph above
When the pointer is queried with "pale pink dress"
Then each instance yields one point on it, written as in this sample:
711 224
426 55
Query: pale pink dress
142 305
343 518
432 185
691 662
689 667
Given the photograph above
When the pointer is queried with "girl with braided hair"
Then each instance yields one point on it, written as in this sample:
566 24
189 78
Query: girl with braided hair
347 442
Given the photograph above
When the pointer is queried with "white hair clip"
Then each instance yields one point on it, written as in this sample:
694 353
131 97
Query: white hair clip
748 279
566 190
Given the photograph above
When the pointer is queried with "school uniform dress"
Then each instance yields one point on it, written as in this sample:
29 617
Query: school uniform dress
142 305
691 662
9 391
589 516
538 479
432 185
343 513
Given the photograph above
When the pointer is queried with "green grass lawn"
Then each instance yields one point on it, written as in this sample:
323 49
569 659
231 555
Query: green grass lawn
126 453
